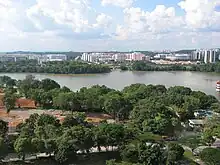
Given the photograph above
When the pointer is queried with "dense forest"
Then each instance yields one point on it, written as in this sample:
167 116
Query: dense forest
143 115
65 67
147 66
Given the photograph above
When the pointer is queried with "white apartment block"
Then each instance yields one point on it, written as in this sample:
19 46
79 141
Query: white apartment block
208 56
89 57
13 57
120 57
135 56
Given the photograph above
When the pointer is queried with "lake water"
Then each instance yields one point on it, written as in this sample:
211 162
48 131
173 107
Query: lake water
119 79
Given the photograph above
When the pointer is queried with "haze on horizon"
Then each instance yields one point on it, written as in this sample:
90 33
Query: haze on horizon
104 25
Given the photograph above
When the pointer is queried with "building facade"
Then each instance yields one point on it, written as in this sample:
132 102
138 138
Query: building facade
208 56
119 57
136 56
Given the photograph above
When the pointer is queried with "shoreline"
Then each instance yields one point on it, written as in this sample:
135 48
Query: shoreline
95 74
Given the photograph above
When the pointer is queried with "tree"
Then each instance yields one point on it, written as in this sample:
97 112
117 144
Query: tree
66 150
23 146
48 84
142 153
67 101
78 118
47 99
27 128
179 90
211 129
3 148
80 115
215 107
47 132
4 79
109 135
190 105
136 92
131 153
38 145
70 121
100 138
65 89
91 98
3 128
36 95
83 137
117 106
7 81
154 117
113 162
207 136
46 119
210 156
159 125
9 101
50 146
24 86
175 153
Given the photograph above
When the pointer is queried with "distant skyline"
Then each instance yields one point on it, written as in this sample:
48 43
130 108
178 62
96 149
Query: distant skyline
104 25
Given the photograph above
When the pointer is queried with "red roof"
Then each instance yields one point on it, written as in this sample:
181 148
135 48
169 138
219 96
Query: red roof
25 103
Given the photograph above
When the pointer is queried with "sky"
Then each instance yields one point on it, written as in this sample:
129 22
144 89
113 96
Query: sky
105 25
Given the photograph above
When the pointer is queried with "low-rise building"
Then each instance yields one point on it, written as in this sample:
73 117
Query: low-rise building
196 123
203 113
160 56
56 57
175 57
51 58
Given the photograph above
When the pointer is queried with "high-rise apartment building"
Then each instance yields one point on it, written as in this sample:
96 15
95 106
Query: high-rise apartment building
210 56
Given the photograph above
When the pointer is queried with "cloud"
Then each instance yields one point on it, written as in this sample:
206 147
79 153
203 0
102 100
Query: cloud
160 20
119 3
7 10
201 14
76 23
73 13
103 20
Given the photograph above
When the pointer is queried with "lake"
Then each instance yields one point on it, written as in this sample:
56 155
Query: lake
205 82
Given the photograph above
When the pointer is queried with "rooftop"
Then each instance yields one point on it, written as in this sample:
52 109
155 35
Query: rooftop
196 121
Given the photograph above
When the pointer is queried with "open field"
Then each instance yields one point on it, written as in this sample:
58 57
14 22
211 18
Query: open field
17 116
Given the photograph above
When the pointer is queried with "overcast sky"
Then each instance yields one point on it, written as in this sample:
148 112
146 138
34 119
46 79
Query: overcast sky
99 25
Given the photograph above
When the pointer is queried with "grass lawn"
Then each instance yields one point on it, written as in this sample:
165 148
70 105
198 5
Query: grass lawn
188 156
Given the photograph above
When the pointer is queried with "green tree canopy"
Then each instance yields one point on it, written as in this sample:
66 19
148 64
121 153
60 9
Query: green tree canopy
210 156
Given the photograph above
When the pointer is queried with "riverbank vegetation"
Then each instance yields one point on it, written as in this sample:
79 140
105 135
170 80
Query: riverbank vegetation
144 115
64 67
147 66
77 67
